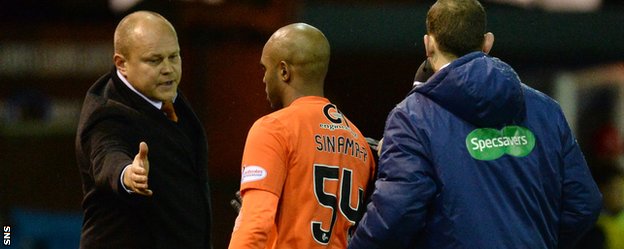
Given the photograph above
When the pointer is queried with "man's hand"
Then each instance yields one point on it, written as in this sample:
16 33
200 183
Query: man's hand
375 144
135 176
237 202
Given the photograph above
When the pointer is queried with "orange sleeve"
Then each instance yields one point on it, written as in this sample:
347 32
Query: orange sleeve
255 224
265 157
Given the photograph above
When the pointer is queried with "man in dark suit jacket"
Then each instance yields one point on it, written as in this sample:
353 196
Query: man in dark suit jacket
143 172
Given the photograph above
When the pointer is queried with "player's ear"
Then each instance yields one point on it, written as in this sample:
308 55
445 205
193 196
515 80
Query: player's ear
488 42
431 45
120 63
284 71
428 49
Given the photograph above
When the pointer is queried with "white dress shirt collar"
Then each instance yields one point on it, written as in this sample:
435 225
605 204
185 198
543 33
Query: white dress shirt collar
155 103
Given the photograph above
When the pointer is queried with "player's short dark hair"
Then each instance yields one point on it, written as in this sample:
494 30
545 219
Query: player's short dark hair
457 25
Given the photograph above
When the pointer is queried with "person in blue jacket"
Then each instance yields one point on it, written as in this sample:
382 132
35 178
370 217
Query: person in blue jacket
473 158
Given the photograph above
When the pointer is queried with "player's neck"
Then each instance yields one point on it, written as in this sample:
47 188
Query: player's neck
438 61
297 91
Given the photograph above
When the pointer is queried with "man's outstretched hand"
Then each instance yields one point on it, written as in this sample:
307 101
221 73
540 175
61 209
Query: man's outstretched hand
135 176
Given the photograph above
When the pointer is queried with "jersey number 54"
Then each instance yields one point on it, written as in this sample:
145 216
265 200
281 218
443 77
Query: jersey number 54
324 173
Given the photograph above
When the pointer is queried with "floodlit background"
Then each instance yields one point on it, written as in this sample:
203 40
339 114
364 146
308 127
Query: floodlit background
52 51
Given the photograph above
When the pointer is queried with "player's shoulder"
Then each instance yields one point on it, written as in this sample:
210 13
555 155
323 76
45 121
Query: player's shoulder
272 122
290 114
276 116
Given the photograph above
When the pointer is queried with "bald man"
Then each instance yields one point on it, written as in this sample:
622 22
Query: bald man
141 150
305 167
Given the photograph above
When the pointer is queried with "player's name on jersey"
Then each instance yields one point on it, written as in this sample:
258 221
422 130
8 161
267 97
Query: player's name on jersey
341 144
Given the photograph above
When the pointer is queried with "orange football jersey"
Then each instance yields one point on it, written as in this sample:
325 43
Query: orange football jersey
318 164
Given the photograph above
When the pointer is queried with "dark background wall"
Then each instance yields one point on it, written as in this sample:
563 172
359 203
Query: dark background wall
52 51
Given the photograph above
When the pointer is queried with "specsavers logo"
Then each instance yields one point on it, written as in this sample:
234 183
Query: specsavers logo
490 144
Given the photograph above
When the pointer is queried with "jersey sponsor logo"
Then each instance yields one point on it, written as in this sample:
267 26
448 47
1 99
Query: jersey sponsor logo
253 173
490 144
332 113
336 118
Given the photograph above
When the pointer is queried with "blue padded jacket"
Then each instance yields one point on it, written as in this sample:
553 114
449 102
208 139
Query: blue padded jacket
473 158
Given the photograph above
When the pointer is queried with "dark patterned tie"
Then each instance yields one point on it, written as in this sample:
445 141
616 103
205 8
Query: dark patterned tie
167 108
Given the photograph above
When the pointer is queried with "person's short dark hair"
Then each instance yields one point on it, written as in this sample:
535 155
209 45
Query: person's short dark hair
457 25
